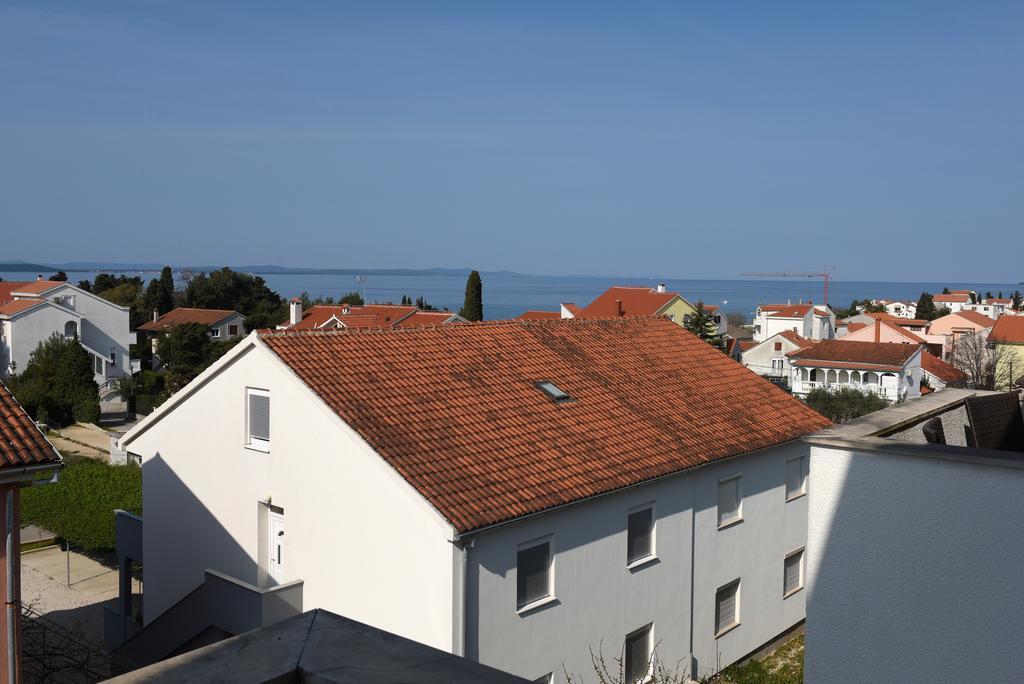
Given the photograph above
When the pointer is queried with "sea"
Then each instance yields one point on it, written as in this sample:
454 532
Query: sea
506 295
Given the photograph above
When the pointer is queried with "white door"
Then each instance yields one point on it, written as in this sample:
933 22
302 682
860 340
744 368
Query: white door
276 547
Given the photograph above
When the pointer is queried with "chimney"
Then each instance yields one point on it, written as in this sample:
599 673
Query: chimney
294 310
156 314
618 307
878 330
661 287
39 276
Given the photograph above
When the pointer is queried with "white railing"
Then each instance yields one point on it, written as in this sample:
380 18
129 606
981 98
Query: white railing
805 386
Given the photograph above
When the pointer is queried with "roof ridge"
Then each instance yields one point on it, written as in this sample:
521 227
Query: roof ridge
502 322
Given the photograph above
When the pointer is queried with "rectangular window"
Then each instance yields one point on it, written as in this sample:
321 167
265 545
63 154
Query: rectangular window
214 332
640 534
729 501
778 346
533 574
638 655
727 607
796 482
98 365
793 573
258 418
232 330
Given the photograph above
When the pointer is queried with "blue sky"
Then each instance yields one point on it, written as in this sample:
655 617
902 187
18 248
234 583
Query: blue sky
668 139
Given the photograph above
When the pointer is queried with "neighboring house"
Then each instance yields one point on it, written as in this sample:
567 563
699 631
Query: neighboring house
954 301
625 302
330 317
1000 306
952 326
892 371
719 319
770 358
1008 337
222 324
515 492
905 309
807 320
25 456
887 328
31 312
914 560
988 309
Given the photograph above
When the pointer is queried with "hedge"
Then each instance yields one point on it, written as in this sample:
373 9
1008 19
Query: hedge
80 507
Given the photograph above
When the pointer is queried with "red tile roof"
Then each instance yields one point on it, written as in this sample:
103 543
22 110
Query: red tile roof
572 308
635 301
910 322
854 327
798 340
16 306
540 316
6 288
976 318
999 300
427 318
372 315
1008 330
794 311
38 286
185 315
940 369
21 442
863 353
748 344
951 299
456 411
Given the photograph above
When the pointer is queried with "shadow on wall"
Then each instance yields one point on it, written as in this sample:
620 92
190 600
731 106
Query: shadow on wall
183 537
917 569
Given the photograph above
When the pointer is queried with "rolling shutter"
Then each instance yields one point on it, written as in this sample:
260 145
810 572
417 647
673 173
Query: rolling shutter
259 417
532 566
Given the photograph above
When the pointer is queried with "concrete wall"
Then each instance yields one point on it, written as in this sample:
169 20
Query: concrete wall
914 569
759 358
224 328
677 310
28 329
105 326
363 543
599 600
1011 364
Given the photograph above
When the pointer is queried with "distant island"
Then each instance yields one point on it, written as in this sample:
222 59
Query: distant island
257 269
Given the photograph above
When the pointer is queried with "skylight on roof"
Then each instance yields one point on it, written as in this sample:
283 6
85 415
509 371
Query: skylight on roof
553 391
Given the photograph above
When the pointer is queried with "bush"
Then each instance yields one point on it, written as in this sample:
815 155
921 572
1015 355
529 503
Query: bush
80 507
845 403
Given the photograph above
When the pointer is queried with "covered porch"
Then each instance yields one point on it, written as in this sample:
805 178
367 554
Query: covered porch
883 383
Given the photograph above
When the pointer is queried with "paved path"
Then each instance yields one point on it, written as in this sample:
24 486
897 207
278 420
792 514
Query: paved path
100 441
44 588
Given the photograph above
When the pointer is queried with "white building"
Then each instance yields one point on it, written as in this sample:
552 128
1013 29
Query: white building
892 371
31 312
809 321
513 492
771 357
899 309
914 544
954 301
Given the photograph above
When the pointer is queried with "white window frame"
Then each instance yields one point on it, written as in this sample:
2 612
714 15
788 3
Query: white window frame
544 600
649 628
653 555
736 614
803 478
251 442
214 331
801 570
739 501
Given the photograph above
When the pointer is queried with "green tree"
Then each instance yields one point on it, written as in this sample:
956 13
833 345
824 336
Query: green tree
159 295
406 300
1018 301
242 292
945 290
926 307
85 285
422 305
57 385
845 403
185 351
473 306
702 324
60 277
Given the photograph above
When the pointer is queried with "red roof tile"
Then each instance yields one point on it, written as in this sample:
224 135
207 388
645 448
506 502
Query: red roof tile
379 315
869 353
940 369
21 442
38 286
976 318
185 315
455 410
540 316
1008 330
427 318
951 299
796 339
748 344
910 322
635 301
794 311
6 288
16 306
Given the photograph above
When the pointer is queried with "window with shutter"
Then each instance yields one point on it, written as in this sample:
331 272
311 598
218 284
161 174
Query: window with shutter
795 482
729 501
638 655
258 418
640 535
792 573
727 614
533 574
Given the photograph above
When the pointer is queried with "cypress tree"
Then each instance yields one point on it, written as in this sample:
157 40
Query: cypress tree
473 306
701 324
1018 301
926 307
166 302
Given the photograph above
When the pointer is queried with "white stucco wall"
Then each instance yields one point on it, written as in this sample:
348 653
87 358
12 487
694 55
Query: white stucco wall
759 358
914 569
600 600
25 331
105 326
365 546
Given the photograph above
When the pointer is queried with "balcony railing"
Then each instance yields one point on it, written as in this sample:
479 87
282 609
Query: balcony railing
805 386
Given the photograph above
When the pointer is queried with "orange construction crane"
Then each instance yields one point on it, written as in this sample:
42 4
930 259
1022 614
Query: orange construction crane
794 274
